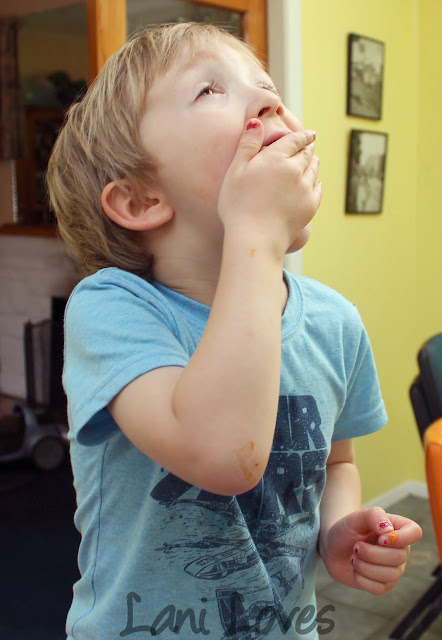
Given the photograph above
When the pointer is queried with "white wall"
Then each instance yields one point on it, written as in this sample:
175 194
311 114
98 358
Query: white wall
32 270
285 68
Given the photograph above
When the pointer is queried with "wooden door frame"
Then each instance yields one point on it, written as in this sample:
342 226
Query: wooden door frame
107 27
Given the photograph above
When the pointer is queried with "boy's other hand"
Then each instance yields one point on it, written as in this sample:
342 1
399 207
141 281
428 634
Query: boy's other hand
271 192
368 549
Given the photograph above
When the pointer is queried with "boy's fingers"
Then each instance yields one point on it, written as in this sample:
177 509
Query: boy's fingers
307 154
313 168
289 145
378 520
250 142
372 586
378 572
389 530
379 555
293 143
369 523
408 534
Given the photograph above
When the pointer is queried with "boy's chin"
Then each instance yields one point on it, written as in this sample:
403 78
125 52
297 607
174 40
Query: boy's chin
301 240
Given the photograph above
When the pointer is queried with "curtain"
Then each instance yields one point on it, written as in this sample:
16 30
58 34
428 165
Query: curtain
12 138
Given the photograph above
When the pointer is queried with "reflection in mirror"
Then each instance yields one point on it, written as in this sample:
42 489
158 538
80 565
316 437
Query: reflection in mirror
53 63
141 13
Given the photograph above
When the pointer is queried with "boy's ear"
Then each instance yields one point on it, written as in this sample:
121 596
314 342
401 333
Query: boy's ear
129 212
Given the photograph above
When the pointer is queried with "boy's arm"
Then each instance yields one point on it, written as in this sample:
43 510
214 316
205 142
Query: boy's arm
342 493
363 548
212 422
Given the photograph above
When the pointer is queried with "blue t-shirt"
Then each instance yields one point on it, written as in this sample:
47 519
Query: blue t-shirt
159 556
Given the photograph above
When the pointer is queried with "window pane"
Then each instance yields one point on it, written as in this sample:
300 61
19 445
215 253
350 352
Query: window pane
141 13
53 63
53 55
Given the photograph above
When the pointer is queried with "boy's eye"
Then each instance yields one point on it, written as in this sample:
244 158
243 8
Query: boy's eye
269 87
209 89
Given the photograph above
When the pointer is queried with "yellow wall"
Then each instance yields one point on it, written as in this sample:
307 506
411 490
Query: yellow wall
387 264
429 193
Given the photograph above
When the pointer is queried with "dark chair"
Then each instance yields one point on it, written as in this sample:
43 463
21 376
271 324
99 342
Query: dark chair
426 399
43 347
36 428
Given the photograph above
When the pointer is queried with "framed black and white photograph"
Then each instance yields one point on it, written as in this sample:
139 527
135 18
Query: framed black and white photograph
366 172
365 77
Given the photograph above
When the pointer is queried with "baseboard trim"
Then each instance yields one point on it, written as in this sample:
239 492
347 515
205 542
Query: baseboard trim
417 489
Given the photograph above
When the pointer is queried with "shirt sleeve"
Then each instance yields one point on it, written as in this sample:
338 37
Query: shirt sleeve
364 410
116 329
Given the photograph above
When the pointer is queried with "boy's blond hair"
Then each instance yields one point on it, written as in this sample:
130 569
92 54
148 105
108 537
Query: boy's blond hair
100 142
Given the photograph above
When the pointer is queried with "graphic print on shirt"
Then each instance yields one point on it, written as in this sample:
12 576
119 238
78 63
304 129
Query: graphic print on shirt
268 525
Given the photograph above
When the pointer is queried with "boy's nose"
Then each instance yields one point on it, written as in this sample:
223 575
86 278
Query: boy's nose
266 103
279 111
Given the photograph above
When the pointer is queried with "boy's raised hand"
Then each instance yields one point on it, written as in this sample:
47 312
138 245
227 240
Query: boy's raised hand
271 191
368 549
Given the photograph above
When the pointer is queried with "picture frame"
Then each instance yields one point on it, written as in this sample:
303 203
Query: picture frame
366 171
365 77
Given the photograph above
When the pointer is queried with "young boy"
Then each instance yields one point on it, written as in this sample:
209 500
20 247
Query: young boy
213 397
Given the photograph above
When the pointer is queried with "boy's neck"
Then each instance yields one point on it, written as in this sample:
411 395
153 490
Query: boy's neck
190 278
199 282
189 266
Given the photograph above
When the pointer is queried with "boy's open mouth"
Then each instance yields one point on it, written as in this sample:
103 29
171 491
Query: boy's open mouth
273 137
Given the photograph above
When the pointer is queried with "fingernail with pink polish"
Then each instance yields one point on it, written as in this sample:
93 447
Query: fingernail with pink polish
252 124
385 525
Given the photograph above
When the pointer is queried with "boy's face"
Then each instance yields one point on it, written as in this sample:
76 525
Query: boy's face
196 113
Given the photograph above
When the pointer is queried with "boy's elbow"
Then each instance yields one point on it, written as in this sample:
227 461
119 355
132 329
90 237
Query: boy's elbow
225 485
232 476
238 487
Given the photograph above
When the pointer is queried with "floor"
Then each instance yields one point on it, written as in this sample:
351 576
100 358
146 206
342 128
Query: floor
357 615
38 548
362 616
